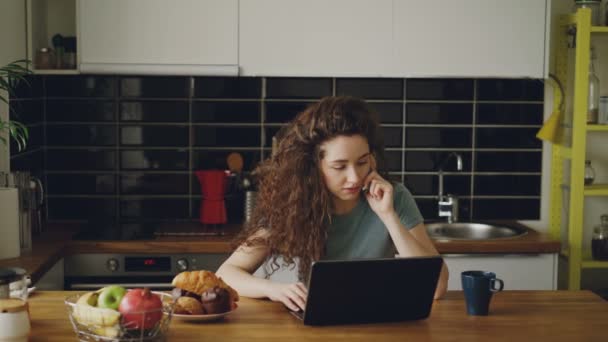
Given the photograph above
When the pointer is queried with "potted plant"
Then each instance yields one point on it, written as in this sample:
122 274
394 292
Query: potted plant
10 76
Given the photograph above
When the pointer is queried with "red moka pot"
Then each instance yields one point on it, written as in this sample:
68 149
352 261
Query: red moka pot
213 189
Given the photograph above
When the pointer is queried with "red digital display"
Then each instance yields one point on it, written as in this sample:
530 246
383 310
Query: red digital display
148 264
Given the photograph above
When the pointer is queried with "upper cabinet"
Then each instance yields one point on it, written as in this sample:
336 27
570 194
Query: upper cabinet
179 37
483 38
51 36
315 37
393 38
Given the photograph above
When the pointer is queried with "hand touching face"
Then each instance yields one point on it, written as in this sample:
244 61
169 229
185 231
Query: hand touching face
379 194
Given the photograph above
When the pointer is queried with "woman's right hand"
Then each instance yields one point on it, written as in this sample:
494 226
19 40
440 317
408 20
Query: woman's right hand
292 295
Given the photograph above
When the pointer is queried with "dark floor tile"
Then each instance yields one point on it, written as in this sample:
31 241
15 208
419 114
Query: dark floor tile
68 160
27 111
439 113
154 208
507 138
154 160
371 88
29 88
393 136
507 185
280 112
33 161
506 209
154 184
510 90
80 86
155 86
81 184
205 160
217 136
79 135
509 114
388 113
154 136
438 137
425 185
298 88
154 111
226 111
80 208
429 161
439 89
80 110
228 87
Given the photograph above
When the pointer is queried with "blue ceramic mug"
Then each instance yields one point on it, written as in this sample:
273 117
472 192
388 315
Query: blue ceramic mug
478 287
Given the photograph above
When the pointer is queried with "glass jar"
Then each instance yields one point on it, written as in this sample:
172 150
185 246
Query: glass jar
594 5
599 240
593 97
589 173
14 320
45 59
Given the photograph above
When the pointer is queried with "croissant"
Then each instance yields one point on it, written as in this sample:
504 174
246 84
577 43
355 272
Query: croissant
201 281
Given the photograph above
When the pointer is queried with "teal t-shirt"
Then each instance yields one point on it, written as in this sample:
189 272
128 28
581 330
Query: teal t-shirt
360 234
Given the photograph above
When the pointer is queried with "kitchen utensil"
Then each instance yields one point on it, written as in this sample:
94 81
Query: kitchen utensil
235 162
213 189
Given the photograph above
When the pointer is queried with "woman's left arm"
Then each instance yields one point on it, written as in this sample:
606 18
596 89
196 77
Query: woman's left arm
413 242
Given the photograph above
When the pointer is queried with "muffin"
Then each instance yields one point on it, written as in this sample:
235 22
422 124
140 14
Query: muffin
216 300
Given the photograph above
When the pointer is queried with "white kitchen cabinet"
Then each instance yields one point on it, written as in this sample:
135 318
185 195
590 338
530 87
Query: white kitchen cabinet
393 38
315 37
180 37
518 271
472 38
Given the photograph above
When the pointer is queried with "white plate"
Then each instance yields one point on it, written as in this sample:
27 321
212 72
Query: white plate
202 318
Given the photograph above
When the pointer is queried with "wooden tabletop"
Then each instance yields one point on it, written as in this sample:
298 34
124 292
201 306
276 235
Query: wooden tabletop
514 316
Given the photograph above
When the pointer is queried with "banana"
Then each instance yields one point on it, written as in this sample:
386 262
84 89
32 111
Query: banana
112 331
87 314
89 298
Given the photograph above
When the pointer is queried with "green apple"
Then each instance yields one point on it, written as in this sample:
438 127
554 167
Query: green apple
110 297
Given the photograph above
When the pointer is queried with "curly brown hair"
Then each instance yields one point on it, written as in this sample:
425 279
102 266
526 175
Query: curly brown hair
293 205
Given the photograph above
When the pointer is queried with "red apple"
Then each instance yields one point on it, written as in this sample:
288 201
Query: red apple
140 308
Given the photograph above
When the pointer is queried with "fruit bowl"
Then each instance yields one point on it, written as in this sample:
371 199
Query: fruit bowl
99 324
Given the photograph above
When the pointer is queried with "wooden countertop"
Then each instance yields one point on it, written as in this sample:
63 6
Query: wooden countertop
57 242
514 316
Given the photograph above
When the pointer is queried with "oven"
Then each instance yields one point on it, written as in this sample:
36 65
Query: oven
155 271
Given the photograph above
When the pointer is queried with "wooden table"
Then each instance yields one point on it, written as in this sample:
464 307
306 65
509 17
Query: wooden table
516 316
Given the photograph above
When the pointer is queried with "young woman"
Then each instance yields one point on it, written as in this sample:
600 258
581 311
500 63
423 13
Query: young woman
323 195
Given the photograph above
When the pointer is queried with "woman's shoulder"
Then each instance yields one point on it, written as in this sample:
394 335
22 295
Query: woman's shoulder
400 189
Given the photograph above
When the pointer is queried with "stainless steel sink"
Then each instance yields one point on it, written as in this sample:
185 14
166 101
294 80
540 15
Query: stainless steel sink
472 231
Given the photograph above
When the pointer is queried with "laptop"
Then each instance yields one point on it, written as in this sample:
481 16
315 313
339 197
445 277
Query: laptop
370 290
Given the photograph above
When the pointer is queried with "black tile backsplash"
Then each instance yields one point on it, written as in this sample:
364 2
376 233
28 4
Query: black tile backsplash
226 111
298 88
154 111
371 88
77 110
127 146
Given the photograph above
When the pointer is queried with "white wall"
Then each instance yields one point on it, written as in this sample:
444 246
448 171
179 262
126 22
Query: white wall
12 47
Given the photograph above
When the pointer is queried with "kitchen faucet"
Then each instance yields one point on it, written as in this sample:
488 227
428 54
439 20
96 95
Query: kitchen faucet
448 205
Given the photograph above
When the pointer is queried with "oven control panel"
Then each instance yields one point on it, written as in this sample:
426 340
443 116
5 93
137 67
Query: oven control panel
139 264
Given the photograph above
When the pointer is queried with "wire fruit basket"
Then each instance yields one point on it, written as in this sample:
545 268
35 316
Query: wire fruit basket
97 324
